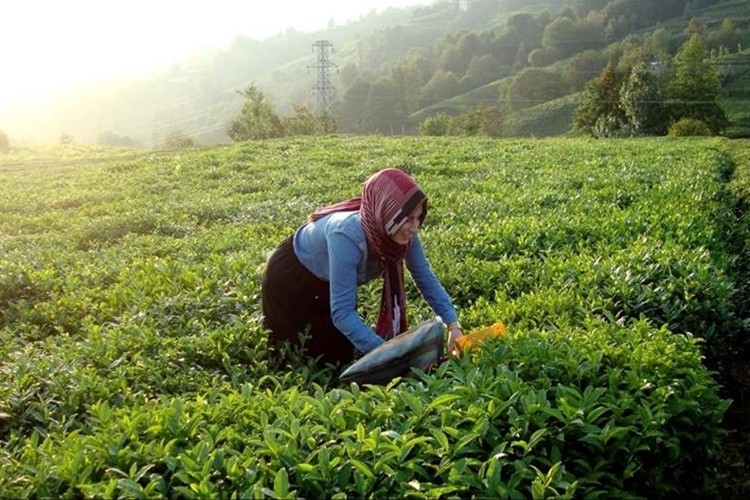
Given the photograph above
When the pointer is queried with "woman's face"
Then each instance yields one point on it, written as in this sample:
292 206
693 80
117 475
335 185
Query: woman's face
410 227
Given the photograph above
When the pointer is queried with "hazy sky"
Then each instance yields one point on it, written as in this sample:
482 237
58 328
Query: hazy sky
49 45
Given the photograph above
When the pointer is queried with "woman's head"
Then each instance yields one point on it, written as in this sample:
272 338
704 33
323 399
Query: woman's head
409 227
393 208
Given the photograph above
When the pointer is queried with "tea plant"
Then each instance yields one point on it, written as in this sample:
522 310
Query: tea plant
134 361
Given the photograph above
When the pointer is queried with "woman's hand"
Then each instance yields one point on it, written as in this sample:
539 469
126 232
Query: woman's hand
454 332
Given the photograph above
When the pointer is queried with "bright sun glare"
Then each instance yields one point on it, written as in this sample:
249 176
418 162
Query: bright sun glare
49 45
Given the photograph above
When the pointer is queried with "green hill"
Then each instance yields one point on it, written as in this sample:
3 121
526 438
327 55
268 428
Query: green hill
405 65
536 121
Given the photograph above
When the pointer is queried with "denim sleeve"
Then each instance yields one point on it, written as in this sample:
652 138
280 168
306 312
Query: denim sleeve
344 256
427 283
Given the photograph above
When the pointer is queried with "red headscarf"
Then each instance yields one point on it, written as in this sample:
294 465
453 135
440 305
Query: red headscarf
388 198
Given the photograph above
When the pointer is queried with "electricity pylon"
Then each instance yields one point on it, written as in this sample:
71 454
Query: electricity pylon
324 90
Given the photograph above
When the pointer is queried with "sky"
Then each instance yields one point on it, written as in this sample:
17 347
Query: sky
49 46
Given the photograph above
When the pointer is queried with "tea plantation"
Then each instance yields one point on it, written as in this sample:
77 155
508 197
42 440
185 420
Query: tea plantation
133 361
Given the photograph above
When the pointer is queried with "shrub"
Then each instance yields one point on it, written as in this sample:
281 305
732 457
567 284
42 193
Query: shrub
178 140
689 127
436 125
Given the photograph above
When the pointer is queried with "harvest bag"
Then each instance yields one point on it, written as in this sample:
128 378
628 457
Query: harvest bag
419 347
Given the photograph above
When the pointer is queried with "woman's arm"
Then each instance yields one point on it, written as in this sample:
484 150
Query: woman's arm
344 257
428 284
431 288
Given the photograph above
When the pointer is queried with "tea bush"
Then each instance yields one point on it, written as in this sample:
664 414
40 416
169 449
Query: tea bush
134 361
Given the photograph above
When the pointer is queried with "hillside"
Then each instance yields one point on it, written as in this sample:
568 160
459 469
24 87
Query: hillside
399 67
555 117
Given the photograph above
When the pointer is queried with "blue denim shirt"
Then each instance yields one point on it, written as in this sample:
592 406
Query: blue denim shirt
334 249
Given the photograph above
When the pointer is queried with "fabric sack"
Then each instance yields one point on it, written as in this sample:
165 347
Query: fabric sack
420 347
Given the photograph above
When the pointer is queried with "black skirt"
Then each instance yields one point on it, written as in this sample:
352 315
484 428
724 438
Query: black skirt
297 303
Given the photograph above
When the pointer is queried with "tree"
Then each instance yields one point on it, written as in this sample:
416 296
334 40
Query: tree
600 113
440 124
583 7
581 68
533 86
538 58
326 123
696 86
482 70
482 120
727 36
452 61
660 44
348 75
257 119
695 27
442 85
469 45
351 109
302 122
561 38
527 29
384 108
642 100
407 82
505 47
305 122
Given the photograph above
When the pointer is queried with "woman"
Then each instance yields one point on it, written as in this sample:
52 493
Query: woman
311 279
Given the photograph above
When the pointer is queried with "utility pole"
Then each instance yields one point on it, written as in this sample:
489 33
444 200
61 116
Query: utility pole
324 90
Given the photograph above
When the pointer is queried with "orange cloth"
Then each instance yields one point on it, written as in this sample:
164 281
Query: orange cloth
476 337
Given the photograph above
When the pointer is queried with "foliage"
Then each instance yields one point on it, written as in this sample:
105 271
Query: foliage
533 86
4 142
482 120
728 37
351 109
566 37
581 67
599 113
642 101
486 120
384 110
696 86
178 140
436 125
134 362
442 85
551 118
304 122
687 127
257 119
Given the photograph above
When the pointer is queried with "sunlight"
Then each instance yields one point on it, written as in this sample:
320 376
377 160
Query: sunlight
49 46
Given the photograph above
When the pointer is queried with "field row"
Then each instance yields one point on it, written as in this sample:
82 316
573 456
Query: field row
134 362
